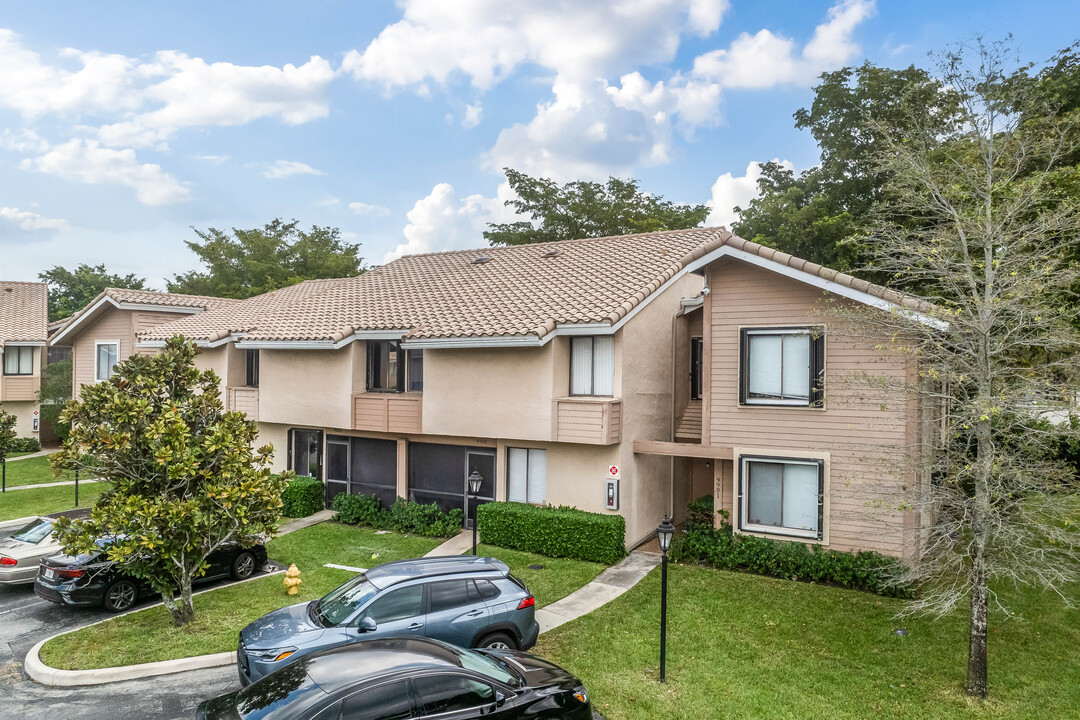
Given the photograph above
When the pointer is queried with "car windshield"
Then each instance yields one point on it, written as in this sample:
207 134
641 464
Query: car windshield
336 606
485 666
35 532
290 685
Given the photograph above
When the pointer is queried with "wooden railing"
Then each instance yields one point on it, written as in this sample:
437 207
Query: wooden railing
388 412
593 421
243 399
19 388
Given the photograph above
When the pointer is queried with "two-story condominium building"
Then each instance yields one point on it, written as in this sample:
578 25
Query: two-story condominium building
621 375
24 334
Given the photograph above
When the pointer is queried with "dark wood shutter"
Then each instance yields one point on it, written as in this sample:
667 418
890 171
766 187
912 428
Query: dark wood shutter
817 367
744 366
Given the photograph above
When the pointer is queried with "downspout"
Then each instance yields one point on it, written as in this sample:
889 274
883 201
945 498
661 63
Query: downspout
671 429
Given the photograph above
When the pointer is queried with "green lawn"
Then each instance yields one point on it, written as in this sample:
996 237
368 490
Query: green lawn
33 472
148 636
743 646
556 580
42 501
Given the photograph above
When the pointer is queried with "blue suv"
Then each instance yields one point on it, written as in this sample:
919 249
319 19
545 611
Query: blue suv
466 601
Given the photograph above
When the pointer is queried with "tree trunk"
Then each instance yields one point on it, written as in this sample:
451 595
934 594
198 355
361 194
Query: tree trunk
182 612
977 684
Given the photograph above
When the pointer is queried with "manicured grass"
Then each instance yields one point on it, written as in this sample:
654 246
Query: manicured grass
148 635
42 501
743 646
556 580
33 471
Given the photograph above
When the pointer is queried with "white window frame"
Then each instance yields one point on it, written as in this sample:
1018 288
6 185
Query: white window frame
97 359
744 367
818 460
19 348
528 457
592 364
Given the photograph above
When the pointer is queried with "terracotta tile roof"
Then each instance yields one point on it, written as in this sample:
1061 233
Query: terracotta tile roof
236 317
24 312
143 297
518 291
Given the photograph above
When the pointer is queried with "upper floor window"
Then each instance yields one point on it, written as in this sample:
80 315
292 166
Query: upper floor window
18 360
415 370
782 366
782 496
251 374
592 365
108 353
385 366
696 368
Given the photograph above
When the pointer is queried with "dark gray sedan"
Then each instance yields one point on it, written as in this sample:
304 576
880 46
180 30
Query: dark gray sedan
467 601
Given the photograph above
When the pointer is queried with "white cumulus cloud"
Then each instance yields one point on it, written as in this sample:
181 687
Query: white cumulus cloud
87 161
27 220
360 208
288 168
473 115
730 192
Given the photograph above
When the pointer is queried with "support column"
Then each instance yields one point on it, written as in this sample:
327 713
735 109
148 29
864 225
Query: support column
403 468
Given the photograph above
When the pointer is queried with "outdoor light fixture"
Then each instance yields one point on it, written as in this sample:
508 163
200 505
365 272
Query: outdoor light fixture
664 532
475 481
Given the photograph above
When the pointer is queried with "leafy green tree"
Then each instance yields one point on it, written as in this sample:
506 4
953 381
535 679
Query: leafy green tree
7 435
583 209
184 476
71 290
246 263
54 394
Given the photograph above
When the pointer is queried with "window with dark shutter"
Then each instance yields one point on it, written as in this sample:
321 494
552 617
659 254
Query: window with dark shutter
782 366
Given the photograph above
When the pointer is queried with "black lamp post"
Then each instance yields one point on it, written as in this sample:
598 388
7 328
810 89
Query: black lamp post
664 532
475 480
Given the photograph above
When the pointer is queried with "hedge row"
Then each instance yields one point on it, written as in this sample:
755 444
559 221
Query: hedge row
403 516
560 532
302 496
24 445
723 548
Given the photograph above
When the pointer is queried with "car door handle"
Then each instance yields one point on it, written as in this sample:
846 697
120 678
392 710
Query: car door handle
415 626
474 613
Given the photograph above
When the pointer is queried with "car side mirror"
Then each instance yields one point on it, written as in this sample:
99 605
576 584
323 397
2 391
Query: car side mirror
499 699
368 625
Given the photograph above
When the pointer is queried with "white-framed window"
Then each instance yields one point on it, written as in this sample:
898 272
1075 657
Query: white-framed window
782 366
592 365
782 496
526 475
19 359
107 354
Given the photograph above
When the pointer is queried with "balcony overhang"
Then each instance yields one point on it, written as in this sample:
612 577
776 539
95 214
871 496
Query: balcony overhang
676 449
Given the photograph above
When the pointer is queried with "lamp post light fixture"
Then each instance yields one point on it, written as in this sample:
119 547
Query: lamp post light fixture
475 480
664 532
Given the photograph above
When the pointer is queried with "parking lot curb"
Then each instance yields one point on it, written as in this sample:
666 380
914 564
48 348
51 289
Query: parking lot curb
17 522
47 675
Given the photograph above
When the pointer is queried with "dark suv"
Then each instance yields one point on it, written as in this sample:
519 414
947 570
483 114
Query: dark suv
467 601
90 579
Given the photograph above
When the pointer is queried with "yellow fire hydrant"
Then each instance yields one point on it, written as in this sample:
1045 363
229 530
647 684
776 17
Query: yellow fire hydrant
292 580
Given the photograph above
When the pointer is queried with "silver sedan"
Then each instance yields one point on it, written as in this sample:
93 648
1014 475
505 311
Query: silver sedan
21 553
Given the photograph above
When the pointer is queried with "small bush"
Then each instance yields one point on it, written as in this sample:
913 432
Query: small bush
700 513
722 548
25 445
403 516
561 532
302 496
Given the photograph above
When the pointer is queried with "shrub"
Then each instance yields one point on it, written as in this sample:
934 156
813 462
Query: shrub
403 516
360 510
25 445
722 548
553 531
700 512
303 496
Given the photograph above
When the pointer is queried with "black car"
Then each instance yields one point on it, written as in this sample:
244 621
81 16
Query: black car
399 678
89 579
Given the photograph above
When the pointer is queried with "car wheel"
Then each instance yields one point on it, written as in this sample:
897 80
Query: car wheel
498 641
243 566
120 596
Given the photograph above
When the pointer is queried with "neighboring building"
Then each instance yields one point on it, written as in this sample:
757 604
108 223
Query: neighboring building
676 364
24 314
103 333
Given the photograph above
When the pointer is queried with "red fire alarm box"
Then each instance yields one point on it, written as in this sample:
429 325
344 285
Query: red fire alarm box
611 493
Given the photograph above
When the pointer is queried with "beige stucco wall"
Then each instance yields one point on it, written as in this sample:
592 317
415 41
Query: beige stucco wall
25 388
866 430
307 387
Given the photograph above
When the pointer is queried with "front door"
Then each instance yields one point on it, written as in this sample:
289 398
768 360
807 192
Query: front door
440 474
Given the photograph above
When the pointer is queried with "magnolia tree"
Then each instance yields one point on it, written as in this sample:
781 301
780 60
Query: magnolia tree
974 222
7 435
184 476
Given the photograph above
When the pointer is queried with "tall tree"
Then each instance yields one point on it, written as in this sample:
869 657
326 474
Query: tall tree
583 209
71 290
970 218
184 476
7 436
250 262
54 394
823 213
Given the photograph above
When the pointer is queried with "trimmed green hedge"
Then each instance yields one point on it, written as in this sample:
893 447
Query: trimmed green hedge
302 496
558 532
723 548
24 445
403 516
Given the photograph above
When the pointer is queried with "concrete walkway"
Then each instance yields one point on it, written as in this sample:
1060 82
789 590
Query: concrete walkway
59 483
457 545
39 453
298 523
607 586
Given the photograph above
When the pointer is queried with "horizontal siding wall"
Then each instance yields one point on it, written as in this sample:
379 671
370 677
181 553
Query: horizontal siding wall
866 430
144 320
113 326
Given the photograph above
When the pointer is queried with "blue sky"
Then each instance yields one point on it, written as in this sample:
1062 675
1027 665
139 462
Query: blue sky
122 125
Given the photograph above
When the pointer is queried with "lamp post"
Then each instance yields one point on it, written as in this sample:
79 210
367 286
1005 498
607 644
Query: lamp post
664 532
475 480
